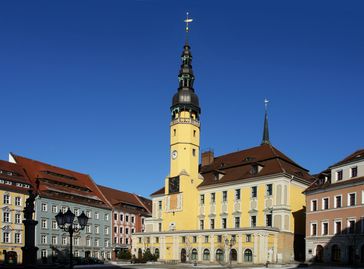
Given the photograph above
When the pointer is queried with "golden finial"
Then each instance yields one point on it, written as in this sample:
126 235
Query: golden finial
187 21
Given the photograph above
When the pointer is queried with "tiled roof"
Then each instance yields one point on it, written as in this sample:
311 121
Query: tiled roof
116 197
320 184
62 184
357 155
237 166
15 174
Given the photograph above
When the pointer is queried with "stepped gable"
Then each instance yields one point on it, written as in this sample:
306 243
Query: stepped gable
62 184
238 166
14 174
117 197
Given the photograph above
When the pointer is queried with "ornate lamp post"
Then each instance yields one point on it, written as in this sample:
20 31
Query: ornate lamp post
65 222
230 243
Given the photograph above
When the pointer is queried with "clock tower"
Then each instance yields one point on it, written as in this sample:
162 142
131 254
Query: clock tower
181 184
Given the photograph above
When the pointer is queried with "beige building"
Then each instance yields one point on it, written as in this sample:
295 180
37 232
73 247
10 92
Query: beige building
335 213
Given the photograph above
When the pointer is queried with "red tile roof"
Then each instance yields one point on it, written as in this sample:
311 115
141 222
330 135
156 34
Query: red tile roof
62 184
357 155
15 174
117 197
319 184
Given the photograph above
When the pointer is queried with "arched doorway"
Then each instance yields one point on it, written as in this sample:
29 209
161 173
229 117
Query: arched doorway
206 254
335 253
140 253
233 255
11 257
194 254
248 255
219 255
319 253
183 255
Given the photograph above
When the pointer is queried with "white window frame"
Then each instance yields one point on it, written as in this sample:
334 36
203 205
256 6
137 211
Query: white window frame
44 207
348 201
54 240
311 228
97 215
17 240
43 239
337 175
44 224
17 218
351 171
54 209
335 228
312 200
17 201
335 204
328 203
348 224
6 237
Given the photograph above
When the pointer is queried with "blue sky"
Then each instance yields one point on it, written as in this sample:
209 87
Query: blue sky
87 85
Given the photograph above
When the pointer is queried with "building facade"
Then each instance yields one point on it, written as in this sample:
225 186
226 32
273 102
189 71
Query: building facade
128 213
59 189
14 187
242 207
335 213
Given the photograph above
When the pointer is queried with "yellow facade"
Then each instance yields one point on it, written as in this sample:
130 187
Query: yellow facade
12 234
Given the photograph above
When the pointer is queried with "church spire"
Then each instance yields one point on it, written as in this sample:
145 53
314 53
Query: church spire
265 140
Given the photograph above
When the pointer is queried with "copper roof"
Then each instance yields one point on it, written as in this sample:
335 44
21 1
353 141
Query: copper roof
117 197
237 166
15 174
62 184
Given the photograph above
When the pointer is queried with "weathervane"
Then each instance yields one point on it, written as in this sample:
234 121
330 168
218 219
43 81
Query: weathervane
266 101
187 21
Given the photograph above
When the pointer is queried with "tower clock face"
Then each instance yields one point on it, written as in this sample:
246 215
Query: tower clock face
174 154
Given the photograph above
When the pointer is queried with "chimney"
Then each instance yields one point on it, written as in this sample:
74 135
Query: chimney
207 158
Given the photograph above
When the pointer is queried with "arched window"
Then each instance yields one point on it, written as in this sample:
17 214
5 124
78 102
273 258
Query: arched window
219 255
206 254
319 253
156 252
335 253
194 254
248 255
233 255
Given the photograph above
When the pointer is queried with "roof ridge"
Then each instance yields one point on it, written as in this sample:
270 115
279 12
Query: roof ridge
142 203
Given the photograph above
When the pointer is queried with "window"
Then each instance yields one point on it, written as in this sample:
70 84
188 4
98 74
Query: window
120 230
202 199
339 175
201 224
6 199
213 198
268 219
97 229
206 255
121 217
254 192
237 222
43 253
88 214
338 201
115 216
325 228
224 196
351 226
44 223
212 224
194 133
127 218
254 169
354 171
132 219
106 217
248 255
97 242
157 239
97 215
253 221
116 240
313 205
54 209
121 240
219 239
337 227
126 241
17 218
6 237
106 230
132 230
269 189
206 238
160 227
107 243
17 238
54 240
325 203
88 228
248 238
223 223
126 230
174 132
44 207
313 229
219 255
160 205
194 254
351 199
6 217
76 241
183 239
76 212
43 239
54 225
18 201
237 194
194 239
193 152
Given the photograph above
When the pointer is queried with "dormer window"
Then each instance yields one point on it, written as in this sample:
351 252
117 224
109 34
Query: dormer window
339 175
354 171
254 169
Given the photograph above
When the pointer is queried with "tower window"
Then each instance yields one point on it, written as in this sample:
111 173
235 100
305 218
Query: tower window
174 132
194 133
194 152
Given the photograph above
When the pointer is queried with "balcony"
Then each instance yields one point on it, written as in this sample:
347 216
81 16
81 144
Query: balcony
185 121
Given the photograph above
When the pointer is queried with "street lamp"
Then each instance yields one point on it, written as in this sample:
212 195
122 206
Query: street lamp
230 243
65 222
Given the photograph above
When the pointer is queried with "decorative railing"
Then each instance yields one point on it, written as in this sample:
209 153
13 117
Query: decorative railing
185 121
